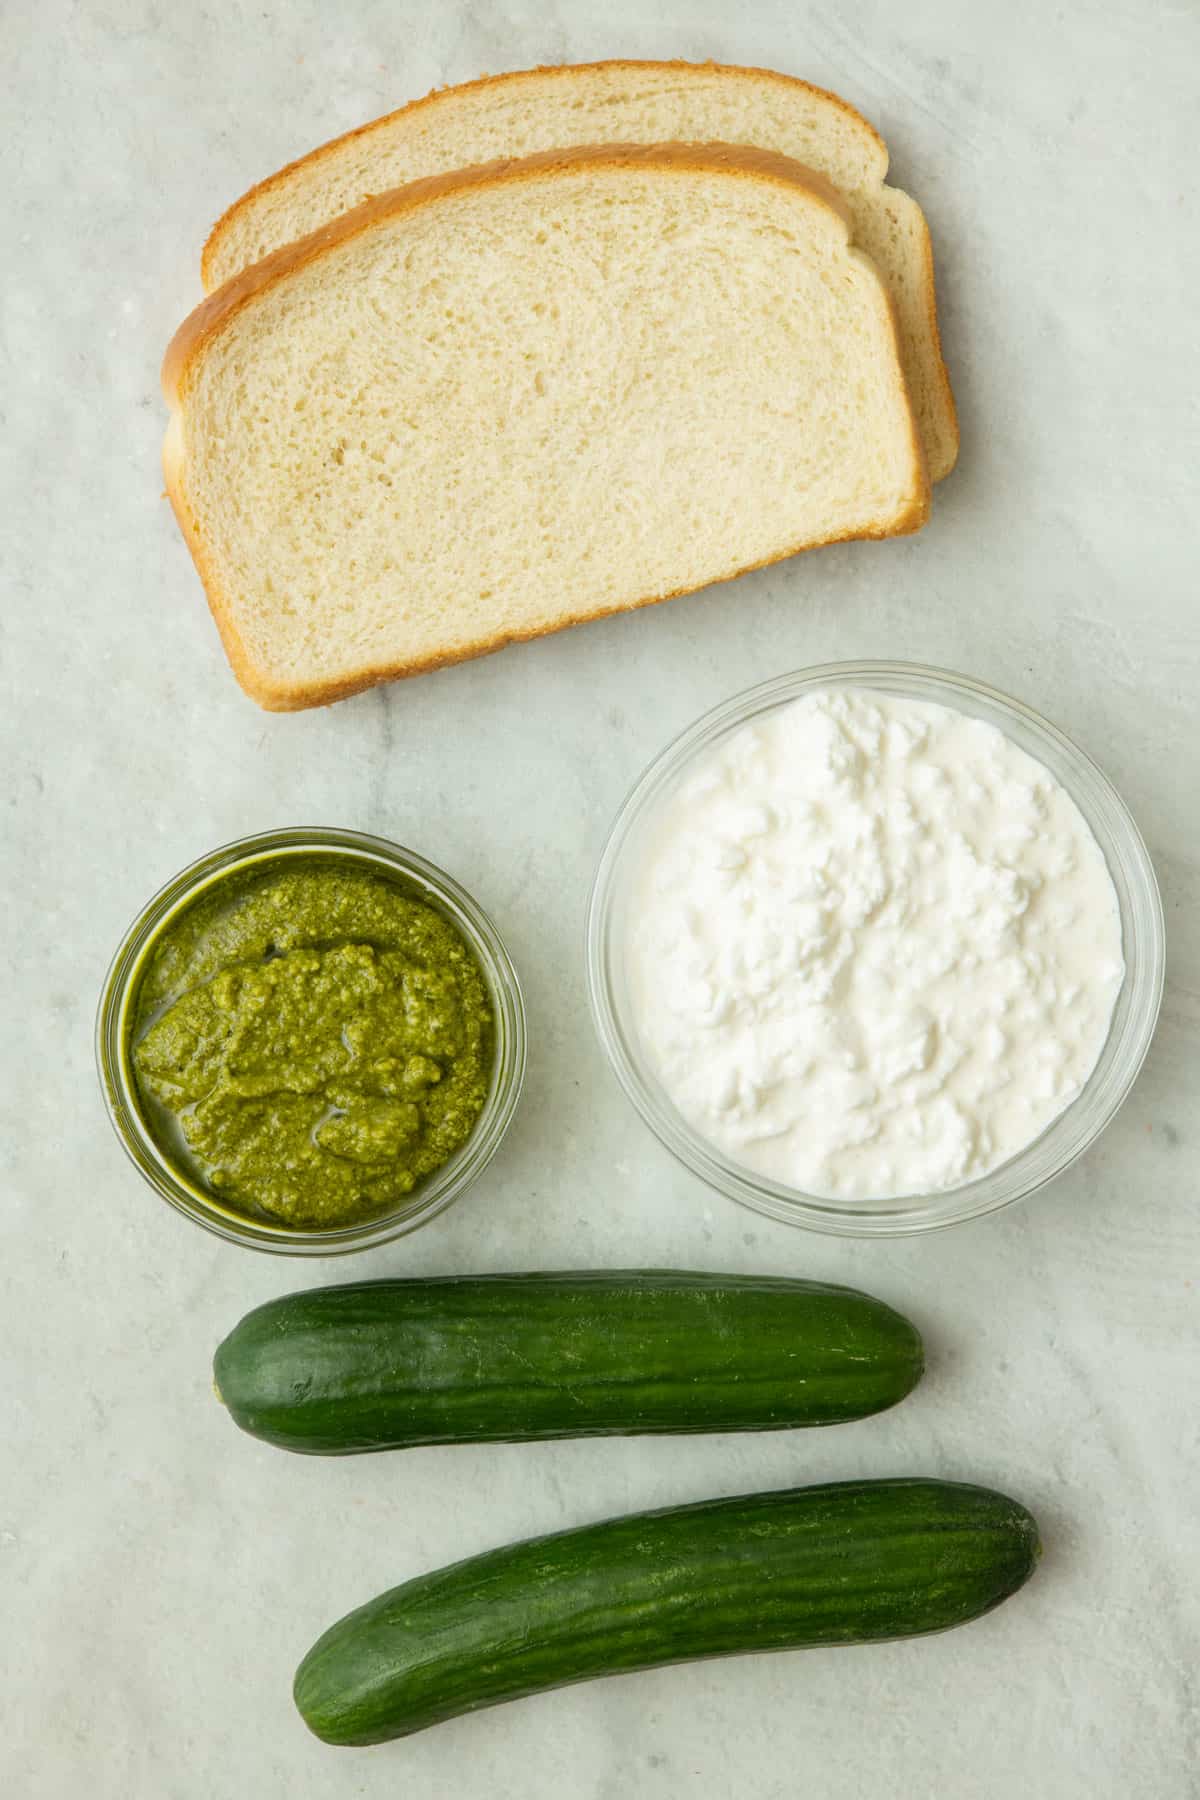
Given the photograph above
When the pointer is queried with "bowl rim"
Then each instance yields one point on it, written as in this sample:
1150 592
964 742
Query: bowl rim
1135 1013
116 1004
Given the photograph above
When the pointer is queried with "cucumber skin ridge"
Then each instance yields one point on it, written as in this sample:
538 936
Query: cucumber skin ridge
393 1364
851 1562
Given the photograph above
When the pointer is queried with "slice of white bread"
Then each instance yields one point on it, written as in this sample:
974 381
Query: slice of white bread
633 103
495 403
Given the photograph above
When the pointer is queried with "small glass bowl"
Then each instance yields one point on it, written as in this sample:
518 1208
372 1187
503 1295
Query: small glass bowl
1066 1137
118 1002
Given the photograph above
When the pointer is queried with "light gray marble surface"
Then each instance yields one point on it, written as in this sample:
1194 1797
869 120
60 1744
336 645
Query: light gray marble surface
160 1574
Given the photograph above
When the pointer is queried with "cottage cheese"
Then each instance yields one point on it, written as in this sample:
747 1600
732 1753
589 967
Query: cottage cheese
875 947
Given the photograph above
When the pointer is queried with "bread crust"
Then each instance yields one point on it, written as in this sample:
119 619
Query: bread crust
942 454
298 699
216 312
948 425
511 79
731 159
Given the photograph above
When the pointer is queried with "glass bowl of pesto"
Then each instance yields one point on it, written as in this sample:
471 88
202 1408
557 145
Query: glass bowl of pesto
645 830
311 1041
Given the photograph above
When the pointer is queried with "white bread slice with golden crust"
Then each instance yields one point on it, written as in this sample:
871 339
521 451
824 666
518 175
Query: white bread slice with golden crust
632 103
498 402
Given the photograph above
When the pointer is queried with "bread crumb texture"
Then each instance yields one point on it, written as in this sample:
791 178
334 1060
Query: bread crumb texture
633 103
529 402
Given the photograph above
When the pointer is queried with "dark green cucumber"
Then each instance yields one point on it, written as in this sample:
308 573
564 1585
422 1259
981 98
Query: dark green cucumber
385 1364
852 1563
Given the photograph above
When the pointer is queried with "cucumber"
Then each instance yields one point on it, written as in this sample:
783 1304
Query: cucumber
387 1364
855 1562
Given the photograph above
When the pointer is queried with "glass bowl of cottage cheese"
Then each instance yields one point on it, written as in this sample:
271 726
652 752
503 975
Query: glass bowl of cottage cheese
873 948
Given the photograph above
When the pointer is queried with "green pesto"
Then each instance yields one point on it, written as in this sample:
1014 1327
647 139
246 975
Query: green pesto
312 1041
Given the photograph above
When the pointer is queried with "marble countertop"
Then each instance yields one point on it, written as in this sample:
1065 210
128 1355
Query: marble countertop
160 1574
